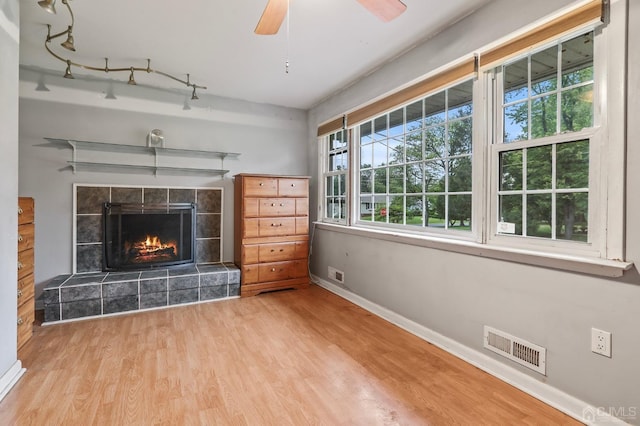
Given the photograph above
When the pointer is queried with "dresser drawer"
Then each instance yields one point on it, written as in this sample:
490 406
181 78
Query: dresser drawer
277 207
25 210
25 289
26 234
256 186
25 322
282 270
269 227
25 263
302 206
282 251
292 187
249 274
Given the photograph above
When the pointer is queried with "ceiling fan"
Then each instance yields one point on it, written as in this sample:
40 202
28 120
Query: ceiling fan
276 10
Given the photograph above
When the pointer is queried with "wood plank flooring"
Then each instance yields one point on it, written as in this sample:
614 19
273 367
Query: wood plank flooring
286 358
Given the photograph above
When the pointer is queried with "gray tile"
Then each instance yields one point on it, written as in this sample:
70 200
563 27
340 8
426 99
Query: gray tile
215 279
183 270
83 292
216 292
179 283
78 279
89 258
208 251
85 308
121 276
126 195
154 285
177 297
234 289
207 225
120 289
234 277
57 281
52 312
89 199
51 296
156 273
156 195
89 229
182 195
209 200
207 268
119 304
153 300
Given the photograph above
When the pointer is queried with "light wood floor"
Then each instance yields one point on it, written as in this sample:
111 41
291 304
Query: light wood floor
295 357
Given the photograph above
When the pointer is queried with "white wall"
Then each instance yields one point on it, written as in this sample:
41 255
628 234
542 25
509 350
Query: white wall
455 294
8 187
270 140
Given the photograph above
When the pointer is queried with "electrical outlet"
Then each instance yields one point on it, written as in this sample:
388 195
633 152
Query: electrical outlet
601 342
336 275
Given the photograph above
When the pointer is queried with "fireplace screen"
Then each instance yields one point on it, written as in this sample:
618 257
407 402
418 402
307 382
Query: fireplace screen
140 236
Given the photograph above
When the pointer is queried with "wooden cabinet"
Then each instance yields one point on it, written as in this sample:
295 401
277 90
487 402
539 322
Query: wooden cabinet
26 242
271 232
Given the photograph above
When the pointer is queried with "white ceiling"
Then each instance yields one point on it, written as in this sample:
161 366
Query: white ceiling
330 43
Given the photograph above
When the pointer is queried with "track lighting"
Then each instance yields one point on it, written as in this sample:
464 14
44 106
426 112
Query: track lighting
49 6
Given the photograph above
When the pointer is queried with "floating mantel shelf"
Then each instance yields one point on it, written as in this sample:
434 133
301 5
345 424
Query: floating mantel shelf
156 152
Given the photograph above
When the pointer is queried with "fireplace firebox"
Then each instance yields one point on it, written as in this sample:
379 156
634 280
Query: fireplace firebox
143 236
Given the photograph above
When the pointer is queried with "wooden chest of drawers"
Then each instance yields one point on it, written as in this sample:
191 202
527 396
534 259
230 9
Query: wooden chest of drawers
271 232
26 242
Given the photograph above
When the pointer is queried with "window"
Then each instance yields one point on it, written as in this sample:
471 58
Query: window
546 122
415 163
335 176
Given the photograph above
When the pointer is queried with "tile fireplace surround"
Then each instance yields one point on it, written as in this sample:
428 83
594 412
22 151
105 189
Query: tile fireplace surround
90 292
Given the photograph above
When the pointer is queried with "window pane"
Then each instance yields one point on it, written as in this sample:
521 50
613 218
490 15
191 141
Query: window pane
337 161
380 181
329 187
396 123
539 215
436 211
544 71
459 100
577 60
365 181
414 178
380 154
434 109
336 185
460 133
434 172
516 81
343 208
414 146
396 150
516 122
380 210
366 208
460 174
572 216
459 216
414 116
577 108
365 133
338 140
366 156
380 128
332 209
396 180
342 184
572 164
511 170
435 142
414 210
510 211
396 209
539 164
543 116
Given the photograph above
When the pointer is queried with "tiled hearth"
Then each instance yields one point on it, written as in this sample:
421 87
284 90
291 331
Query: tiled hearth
76 296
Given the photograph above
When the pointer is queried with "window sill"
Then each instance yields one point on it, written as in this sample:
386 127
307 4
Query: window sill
584 265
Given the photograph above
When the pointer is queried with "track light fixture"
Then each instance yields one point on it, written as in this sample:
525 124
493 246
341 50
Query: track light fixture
49 6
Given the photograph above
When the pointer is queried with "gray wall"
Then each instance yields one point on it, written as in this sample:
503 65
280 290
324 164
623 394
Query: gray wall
270 140
8 186
455 294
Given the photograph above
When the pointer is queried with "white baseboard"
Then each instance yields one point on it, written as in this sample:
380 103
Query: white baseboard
10 378
562 401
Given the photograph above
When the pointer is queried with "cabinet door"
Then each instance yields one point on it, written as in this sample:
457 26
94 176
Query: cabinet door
256 186
291 187
277 207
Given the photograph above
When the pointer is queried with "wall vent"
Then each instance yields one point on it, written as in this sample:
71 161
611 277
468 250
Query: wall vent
516 349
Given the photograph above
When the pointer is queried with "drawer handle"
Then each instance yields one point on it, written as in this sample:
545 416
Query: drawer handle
20 210
281 250
276 224
19 238
19 293
261 184
273 269
20 265
281 205
274 204
20 321
293 184
272 250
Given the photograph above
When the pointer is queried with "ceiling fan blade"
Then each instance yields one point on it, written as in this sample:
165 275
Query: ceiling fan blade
272 17
386 10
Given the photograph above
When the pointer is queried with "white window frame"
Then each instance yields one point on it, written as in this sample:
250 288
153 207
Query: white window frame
325 156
